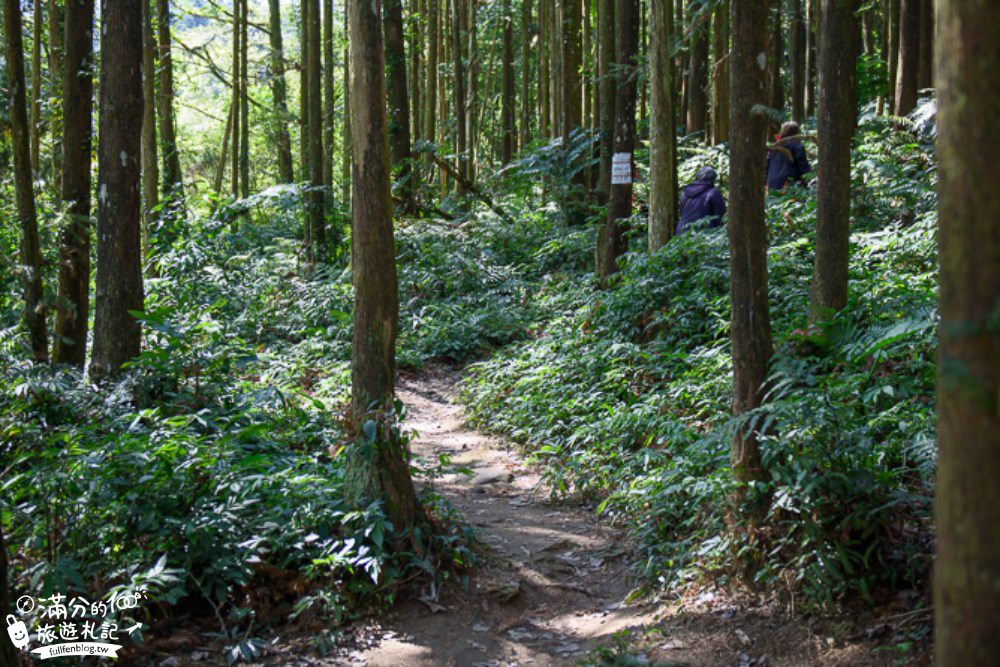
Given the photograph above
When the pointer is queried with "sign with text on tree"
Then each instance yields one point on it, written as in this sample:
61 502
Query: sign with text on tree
621 169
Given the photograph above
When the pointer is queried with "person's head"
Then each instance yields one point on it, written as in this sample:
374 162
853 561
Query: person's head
790 129
706 175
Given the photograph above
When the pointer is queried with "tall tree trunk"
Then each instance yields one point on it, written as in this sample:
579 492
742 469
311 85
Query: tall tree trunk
697 111
571 105
37 32
317 228
150 167
837 120
346 159
720 76
544 67
304 174
556 78
457 31
508 101
811 50
606 37
797 42
777 56
399 101
967 505
380 470
244 102
526 36
329 97
612 242
472 89
237 110
173 185
571 61
908 61
117 334
415 83
430 93
662 145
750 327
925 66
30 256
74 243
279 92
8 654
892 51
56 12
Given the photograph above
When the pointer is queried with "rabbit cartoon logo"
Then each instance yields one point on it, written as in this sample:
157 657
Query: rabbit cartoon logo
18 632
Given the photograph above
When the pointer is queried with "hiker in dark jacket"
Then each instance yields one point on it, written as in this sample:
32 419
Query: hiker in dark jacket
787 161
701 200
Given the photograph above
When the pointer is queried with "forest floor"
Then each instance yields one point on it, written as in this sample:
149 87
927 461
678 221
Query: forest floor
555 580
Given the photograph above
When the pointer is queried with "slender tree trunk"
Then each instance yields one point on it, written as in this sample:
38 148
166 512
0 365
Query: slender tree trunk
472 90
750 327
720 76
556 78
416 16
909 57
526 36
282 142
117 334
329 97
681 65
811 14
8 654
697 111
74 243
662 145
399 101
925 66
317 199
430 93
55 78
571 61
37 32
304 175
150 167
967 505
220 169
892 52
244 103
868 31
380 470
507 103
458 30
30 256
544 67
237 111
606 36
837 120
612 242
346 159
777 56
797 41
173 185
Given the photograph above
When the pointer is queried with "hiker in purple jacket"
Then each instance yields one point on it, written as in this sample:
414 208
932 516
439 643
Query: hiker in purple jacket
787 160
701 200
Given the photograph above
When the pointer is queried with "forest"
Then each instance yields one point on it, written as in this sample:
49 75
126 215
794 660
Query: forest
500 332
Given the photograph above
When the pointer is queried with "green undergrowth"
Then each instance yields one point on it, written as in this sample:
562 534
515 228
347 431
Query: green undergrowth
212 472
624 395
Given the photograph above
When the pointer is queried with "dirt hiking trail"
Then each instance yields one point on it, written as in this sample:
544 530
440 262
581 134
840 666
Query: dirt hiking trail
554 577
552 585
555 582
